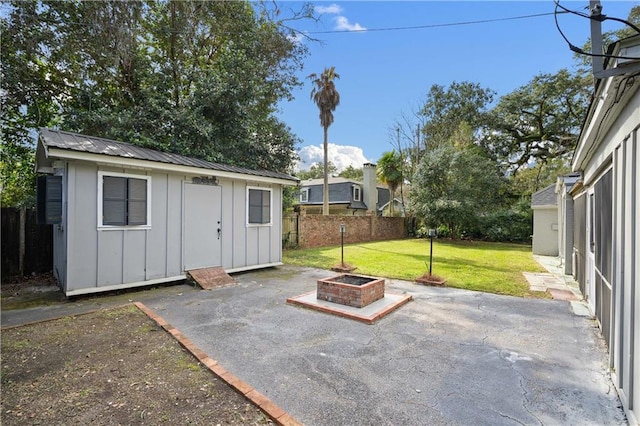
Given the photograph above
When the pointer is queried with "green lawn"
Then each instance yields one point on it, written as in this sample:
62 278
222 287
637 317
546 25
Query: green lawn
489 267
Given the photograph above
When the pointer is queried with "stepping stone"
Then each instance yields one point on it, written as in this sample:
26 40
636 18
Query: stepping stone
561 294
209 278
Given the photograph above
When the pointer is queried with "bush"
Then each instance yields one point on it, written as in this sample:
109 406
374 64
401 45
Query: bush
508 225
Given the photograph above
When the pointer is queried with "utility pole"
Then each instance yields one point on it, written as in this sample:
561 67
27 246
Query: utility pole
597 61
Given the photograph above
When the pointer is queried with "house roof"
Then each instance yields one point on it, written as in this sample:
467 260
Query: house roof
335 180
568 181
74 142
545 197
610 97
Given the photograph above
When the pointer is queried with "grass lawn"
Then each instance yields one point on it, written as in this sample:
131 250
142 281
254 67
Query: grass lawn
481 266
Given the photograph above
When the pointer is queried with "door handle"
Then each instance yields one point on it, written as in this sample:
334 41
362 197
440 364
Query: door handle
219 230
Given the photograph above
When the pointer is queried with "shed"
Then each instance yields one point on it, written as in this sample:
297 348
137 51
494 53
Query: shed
545 221
127 216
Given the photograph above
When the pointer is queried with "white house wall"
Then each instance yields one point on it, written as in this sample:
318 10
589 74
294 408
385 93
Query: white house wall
545 231
625 340
619 148
98 259
624 125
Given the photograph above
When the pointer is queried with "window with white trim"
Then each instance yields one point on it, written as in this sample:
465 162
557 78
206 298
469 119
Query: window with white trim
123 200
356 192
258 206
304 195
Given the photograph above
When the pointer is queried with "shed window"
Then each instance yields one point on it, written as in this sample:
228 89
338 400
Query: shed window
124 201
259 206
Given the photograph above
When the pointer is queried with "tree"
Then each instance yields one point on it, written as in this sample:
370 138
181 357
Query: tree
390 171
327 98
454 188
316 171
537 122
444 110
353 173
199 78
532 179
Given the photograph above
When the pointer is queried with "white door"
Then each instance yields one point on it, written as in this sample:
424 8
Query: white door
202 226
591 259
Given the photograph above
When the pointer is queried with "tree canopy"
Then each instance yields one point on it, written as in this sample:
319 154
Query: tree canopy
199 78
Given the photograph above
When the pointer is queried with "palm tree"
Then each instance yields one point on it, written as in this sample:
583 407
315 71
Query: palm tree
390 171
327 98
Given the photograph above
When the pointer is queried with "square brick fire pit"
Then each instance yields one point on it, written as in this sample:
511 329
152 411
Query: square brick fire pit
351 290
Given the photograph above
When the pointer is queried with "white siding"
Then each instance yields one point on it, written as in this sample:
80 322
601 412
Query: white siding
156 259
545 231
97 259
82 245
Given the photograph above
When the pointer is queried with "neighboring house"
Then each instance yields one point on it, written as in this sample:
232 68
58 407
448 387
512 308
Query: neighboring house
545 221
348 197
565 220
607 215
127 216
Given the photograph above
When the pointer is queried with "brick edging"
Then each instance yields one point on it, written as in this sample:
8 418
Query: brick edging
277 414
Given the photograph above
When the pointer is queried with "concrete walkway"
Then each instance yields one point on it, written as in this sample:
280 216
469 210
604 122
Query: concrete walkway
557 284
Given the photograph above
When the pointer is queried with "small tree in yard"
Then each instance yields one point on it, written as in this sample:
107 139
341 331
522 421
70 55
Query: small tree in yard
454 187
327 98
390 171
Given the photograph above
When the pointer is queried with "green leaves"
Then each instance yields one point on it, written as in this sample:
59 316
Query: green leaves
200 78
455 187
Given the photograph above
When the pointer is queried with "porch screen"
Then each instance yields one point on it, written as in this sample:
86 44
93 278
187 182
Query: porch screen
580 238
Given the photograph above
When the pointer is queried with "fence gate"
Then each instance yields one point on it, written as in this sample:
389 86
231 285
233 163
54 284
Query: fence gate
290 231
26 246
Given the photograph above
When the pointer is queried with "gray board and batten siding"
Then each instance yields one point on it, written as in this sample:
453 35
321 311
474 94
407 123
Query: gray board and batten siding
196 214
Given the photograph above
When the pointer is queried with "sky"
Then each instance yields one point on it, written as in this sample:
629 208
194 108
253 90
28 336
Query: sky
386 74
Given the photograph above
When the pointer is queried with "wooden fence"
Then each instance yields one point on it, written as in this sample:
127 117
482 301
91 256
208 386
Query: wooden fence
26 246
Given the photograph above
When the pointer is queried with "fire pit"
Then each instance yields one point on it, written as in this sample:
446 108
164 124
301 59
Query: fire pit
351 290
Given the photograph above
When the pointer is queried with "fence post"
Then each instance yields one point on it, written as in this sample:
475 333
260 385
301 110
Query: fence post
22 239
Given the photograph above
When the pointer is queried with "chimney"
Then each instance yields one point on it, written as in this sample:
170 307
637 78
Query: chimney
370 187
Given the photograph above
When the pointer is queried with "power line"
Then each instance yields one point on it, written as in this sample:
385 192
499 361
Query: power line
419 27
575 48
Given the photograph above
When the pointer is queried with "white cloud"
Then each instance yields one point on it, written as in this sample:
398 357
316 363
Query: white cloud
342 23
342 156
297 37
332 9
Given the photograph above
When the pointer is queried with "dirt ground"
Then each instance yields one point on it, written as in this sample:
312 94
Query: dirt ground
111 367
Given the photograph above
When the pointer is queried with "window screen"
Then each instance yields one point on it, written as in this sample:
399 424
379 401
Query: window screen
124 201
259 206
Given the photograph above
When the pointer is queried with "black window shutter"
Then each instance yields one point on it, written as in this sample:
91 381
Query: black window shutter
49 200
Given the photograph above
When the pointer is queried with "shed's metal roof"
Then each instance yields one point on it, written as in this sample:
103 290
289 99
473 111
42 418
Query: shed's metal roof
94 145
545 197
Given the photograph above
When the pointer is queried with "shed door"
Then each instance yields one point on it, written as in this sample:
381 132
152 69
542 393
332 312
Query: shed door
202 220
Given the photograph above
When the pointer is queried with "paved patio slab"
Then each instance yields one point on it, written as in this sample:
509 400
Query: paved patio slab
449 357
